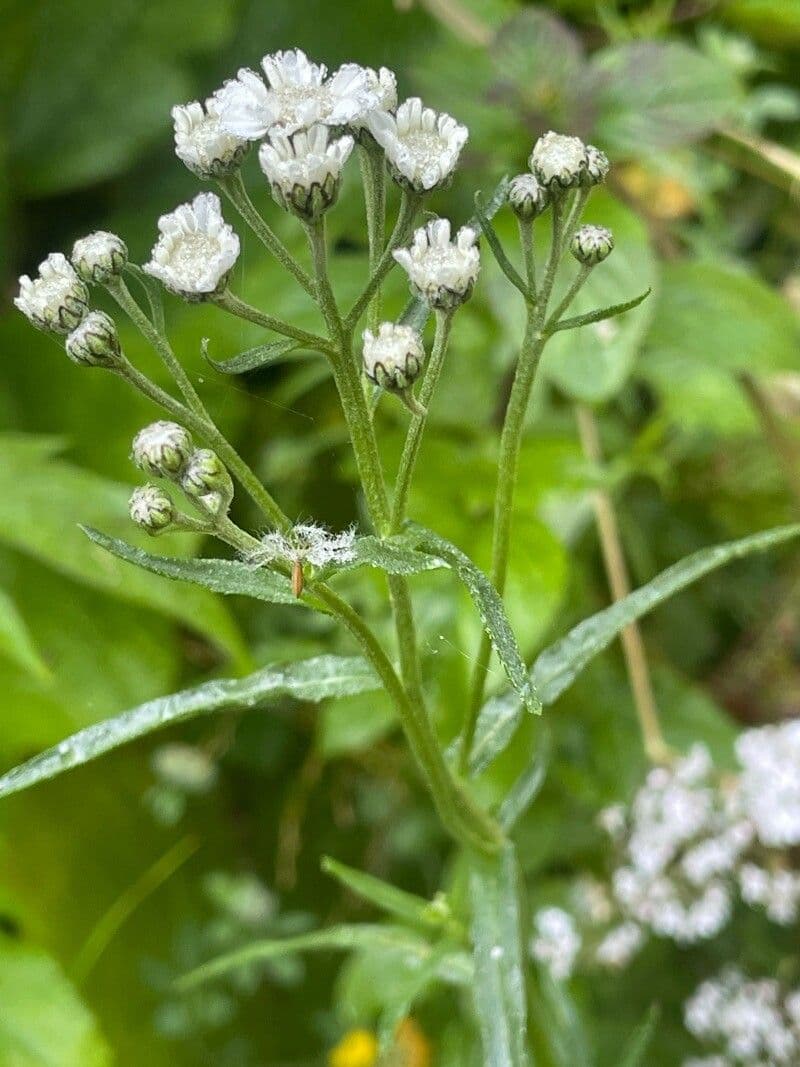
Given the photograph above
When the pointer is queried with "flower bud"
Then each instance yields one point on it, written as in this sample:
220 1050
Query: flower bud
394 356
205 478
592 244
56 300
152 508
597 166
162 449
527 196
95 342
305 169
99 257
558 161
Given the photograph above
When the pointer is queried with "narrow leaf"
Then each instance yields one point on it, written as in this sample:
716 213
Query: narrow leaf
456 969
256 358
599 314
505 264
433 916
559 665
499 989
558 1020
395 555
526 788
634 1053
312 680
16 641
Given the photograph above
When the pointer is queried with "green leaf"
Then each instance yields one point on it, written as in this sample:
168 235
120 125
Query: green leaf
312 680
654 95
43 500
43 1022
432 916
256 358
499 990
561 1025
455 969
557 666
527 787
634 1053
600 314
16 642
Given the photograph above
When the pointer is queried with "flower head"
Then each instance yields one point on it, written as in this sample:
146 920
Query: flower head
393 357
422 146
527 196
304 168
95 342
559 161
298 93
151 508
99 257
769 787
307 543
441 271
597 166
202 143
162 449
205 478
57 300
592 244
196 249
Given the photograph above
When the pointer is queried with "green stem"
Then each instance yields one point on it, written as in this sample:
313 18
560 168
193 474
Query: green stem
318 243
120 292
234 190
417 427
569 296
205 428
228 302
528 255
373 176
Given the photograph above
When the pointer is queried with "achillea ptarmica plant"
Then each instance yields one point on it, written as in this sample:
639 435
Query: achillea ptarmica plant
527 196
592 244
99 257
57 300
422 146
206 480
442 272
304 169
558 161
203 144
94 343
393 357
162 449
196 249
152 509
597 166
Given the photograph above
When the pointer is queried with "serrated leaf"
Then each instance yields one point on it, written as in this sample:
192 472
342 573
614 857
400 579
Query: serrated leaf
455 969
557 666
600 314
16 641
311 680
256 358
499 989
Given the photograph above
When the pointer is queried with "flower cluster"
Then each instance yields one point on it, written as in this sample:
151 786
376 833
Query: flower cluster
747 1022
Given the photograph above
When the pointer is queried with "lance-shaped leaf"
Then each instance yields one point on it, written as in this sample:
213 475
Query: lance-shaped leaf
454 969
505 264
499 987
598 315
16 641
310 680
526 788
634 1053
255 358
559 665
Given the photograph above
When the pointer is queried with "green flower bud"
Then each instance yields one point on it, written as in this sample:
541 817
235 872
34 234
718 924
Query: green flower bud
597 166
205 478
162 449
393 357
152 508
95 342
99 257
592 244
527 196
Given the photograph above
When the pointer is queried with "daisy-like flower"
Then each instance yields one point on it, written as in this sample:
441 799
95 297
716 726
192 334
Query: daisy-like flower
99 257
422 146
203 144
393 357
57 299
298 93
304 169
559 161
442 272
95 342
196 249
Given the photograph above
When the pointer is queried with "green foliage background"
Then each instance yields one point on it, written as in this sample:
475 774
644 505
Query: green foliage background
706 220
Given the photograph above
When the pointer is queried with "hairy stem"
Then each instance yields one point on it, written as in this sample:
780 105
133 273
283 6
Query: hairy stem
242 310
373 176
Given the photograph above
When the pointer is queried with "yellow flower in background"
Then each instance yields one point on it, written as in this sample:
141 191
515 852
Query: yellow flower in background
358 1048
412 1047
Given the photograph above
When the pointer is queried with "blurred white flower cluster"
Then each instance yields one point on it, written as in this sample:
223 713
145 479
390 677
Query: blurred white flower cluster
691 843
748 1023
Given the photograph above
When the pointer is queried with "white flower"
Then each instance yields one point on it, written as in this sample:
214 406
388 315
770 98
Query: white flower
196 248
769 787
57 299
202 143
620 945
99 256
597 166
298 93
422 147
95 342
777 892
393 357
304 168
556 942
306 543
441 271
162 449
184 767
558 161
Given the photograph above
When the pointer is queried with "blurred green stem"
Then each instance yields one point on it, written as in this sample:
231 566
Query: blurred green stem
373 176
